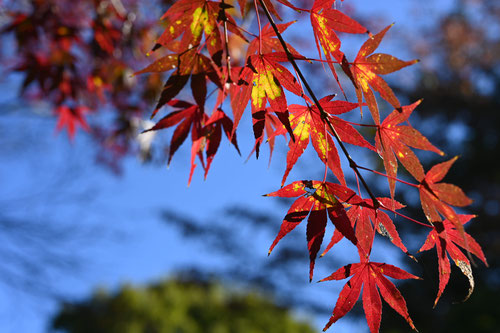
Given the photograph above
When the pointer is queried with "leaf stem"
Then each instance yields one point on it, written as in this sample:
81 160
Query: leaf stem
363 125
226 42
258 22
323 113
387 176
406 217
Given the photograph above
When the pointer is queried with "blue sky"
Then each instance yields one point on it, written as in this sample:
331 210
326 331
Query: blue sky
51 180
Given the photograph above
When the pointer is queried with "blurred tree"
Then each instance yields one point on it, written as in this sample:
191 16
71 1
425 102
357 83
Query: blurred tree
177 305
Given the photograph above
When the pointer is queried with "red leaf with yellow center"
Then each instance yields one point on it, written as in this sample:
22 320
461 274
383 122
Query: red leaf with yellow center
316 200
262 80
366 69
308 125
189 20
325 22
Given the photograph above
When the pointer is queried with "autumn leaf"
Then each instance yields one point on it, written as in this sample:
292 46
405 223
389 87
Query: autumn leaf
190 64
190 20
325 21
262 80
205 131
308 124
71 118
447 240
214 126
393 140
267 123
365 218
268 41
368 67
437 198
316 200
369 276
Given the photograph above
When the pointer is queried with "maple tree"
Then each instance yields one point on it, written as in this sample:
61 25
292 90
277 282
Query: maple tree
197 41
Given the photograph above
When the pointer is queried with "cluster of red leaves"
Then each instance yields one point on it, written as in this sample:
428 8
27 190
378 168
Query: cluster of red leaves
263 81
76 56
197 41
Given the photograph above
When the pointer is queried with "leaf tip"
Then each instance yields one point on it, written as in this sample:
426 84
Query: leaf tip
411 256
435 302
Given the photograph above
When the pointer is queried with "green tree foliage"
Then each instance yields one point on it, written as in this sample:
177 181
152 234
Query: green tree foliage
177 306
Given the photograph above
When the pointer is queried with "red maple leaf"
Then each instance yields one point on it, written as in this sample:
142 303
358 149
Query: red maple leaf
370 276
205 132
325 21
71 118
307 122
268 41
447 240
262 80
190 20
366 69
316 200
360 214
188 64
392 140
436 198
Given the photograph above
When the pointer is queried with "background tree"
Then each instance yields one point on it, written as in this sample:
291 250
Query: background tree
177 305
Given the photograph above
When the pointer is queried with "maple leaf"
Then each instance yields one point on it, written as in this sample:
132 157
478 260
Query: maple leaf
268 41
368 67
187 64
191 19
205 132
316 200
307 122
446 238
270 7
71 118
360 214
436 198
370 276
392 141
217 122
262 80
271 125
325 21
